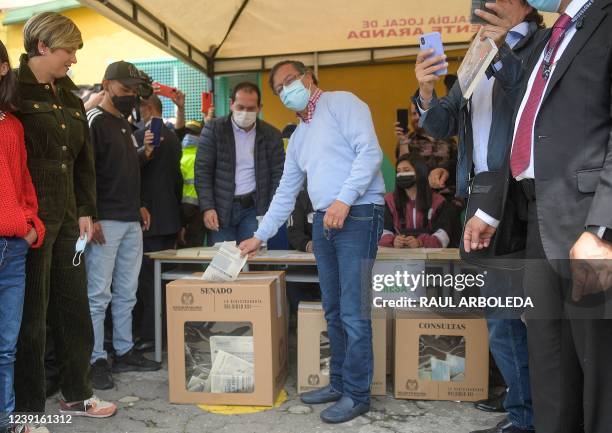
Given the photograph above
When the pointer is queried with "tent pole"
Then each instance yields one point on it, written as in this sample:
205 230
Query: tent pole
210 66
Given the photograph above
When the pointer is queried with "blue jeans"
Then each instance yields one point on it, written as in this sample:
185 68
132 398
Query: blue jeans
508 343
117 262
243 225
12 289
344 260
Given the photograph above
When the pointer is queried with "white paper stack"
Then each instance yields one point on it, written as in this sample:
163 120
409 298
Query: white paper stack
230 373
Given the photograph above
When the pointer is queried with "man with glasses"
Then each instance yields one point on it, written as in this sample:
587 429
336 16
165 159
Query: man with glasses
336 148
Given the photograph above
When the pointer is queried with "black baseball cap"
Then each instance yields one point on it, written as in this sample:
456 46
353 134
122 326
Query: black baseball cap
124 72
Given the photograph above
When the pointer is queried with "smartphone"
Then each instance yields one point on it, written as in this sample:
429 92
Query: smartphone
480 4
155 127
165 91
434 40
207 101
402 118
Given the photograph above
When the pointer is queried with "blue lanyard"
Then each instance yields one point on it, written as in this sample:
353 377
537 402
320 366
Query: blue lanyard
550 49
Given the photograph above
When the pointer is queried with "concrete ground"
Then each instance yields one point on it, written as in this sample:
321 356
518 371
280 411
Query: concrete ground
142 399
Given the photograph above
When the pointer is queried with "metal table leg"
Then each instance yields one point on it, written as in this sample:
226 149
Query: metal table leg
158 311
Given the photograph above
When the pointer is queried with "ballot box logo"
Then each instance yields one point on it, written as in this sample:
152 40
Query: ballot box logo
314 380
187 303
187 298
412 385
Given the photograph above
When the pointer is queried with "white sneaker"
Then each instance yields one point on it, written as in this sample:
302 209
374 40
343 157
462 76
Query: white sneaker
92 408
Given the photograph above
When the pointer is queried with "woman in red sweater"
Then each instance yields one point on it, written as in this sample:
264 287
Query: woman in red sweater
20 229
415 216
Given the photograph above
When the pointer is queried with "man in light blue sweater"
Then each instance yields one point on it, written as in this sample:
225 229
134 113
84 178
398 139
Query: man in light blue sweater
336 148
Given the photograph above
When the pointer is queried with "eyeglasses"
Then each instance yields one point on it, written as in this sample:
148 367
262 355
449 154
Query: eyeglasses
289 80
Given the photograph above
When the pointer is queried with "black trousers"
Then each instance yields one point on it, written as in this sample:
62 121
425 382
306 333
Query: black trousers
145 307
569 357
194 226
56 293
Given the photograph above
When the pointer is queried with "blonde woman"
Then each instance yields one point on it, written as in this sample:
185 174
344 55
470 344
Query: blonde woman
61 163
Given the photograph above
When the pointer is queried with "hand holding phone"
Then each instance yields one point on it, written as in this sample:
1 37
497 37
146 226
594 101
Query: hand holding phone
207 101
433 41
155 127
165 91
480 4
402 119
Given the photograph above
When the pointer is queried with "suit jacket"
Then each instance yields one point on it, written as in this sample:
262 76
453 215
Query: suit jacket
451 116
162 184
215 167
572 133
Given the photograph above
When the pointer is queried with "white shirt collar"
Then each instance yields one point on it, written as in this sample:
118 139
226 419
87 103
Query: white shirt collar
575 6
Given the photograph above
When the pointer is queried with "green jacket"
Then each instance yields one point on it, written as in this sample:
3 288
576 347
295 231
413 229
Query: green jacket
187 169
60 156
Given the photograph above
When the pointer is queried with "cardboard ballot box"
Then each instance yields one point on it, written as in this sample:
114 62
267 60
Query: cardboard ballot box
227 341
314 351
441 357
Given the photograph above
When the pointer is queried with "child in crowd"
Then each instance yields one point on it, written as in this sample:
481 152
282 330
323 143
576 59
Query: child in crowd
415 216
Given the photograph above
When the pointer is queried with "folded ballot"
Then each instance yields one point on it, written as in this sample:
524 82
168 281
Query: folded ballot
226 263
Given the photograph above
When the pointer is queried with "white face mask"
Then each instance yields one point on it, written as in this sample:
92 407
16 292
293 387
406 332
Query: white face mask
244 119
79 248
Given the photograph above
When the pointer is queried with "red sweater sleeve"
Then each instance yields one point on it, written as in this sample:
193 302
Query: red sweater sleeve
386 240
18 198
429 241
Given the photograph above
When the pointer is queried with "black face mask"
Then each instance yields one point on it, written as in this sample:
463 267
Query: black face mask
405 182
125 104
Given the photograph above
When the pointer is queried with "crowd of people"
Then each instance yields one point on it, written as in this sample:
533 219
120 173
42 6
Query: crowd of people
88 177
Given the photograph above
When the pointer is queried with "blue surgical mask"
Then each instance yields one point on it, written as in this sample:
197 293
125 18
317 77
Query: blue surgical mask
295 96
545 5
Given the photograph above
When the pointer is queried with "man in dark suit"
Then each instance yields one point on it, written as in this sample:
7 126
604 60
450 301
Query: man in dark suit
484 126
562 160
161 190
238 167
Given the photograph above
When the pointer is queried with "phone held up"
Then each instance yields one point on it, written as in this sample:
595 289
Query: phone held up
156 127
480 4
402 119
434 41
165 91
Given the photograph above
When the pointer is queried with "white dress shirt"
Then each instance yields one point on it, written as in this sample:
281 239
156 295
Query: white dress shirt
245 159
482 106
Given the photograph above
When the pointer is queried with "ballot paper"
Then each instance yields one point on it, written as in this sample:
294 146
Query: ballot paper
440 370
475 64
231 374
226 263
457 367
242 347
200 340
